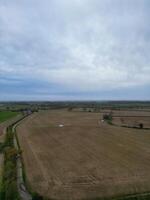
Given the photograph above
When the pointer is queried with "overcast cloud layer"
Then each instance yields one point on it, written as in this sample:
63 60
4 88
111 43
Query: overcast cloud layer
73 49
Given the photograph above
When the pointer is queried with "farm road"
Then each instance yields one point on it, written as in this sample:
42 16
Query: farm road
24 194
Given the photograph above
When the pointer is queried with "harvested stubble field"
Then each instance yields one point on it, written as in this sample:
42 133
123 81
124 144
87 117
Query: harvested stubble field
84 159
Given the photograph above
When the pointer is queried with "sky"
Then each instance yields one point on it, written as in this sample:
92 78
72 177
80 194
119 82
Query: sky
74 50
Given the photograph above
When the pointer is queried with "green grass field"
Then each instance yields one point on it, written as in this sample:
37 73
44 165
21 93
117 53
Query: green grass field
5 115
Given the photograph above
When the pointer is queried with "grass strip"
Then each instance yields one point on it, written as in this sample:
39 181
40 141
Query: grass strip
5 115
9 180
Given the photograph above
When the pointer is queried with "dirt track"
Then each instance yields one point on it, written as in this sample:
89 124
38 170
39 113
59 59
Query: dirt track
85 158
23 193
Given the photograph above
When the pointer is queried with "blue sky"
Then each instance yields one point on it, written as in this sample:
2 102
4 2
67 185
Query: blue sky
74 50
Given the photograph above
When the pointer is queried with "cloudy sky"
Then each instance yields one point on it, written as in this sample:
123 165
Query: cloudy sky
74 50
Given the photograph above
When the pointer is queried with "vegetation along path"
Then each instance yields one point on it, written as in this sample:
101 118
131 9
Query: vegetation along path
24 194
13 186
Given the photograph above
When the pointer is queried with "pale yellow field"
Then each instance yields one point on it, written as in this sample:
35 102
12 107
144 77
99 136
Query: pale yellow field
84 159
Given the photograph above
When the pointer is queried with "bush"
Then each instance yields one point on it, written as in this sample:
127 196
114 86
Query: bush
36 196
141 125
107 117
11 191
9 181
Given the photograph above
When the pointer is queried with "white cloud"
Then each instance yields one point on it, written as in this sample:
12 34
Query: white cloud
83 45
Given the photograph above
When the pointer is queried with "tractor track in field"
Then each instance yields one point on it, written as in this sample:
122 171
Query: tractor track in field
25 193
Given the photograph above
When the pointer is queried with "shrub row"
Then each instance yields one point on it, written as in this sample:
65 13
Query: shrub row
9 180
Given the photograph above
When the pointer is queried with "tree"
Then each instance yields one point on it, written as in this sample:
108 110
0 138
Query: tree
107 116
70 108
141 125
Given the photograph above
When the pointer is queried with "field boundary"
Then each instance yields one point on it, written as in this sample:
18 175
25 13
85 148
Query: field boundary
110 122
130 116
11 166
25 190
140 196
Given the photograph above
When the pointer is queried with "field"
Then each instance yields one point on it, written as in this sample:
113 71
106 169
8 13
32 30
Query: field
74 155
5 115
132 121
6 118
131 118
11 118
